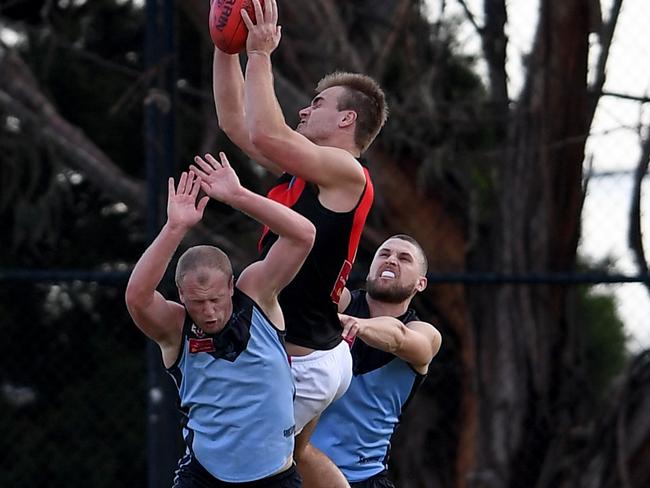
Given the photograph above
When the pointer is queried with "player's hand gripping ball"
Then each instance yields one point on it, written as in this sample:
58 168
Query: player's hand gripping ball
227 28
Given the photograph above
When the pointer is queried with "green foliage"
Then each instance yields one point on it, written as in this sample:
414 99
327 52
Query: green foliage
603 337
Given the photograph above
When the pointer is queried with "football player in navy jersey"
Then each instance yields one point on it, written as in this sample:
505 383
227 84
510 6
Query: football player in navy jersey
222 344
391 353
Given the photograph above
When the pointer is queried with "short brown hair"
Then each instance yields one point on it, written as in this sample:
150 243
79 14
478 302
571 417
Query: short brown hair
202 257
363 95
423 258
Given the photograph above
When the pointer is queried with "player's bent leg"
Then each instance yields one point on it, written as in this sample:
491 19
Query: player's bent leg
302 441
316 469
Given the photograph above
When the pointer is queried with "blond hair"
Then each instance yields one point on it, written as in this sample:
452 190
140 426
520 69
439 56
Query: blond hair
202 257
424 263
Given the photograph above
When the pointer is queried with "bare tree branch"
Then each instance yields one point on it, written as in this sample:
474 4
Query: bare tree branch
495 42
470 17
635 235
615 450
606 35
624 96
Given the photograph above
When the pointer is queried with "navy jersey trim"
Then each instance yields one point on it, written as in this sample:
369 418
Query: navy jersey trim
220 338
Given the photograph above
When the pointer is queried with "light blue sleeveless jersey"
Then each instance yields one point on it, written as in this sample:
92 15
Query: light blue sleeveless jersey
355 431
236 390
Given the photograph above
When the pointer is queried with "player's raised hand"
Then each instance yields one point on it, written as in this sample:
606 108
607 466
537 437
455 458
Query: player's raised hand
218 179
264 34
182 208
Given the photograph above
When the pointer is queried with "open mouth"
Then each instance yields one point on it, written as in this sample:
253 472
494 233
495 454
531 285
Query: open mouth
387 274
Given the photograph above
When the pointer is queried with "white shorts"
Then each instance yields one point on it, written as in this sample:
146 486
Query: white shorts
320 378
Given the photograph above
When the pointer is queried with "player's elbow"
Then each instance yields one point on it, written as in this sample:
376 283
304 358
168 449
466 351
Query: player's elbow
306 234
260 138
136 296
225 127
263 139
133 303
131 297
436 343
130 294
235 131
311 233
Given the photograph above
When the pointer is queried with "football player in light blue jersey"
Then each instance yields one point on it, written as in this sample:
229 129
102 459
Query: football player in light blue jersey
391 353
223 344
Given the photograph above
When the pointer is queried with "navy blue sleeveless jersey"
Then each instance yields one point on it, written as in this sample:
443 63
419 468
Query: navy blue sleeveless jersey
309 302
236 392
355 431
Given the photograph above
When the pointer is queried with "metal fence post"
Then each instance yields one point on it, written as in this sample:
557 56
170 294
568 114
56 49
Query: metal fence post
162 418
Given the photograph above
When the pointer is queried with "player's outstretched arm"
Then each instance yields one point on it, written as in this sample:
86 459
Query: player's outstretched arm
262 280
157 317
228 91
268 131
416 342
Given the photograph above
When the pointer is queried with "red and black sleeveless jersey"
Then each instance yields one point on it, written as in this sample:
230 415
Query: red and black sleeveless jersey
309 302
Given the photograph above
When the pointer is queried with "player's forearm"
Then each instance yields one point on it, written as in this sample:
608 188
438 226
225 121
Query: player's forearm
385 333
228 92
281 220
264 119
150 268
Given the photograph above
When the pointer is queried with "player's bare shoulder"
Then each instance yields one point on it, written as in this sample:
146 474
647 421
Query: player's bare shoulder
343 192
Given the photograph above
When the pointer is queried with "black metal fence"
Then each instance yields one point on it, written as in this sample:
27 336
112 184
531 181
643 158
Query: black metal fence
83 397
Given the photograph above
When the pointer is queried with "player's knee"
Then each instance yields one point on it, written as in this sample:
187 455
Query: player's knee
301 448
305 454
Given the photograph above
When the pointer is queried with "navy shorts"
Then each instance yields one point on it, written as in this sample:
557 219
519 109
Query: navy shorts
190 474
380 480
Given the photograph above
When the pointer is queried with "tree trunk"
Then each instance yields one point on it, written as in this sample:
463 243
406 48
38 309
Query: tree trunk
618 450
525 333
